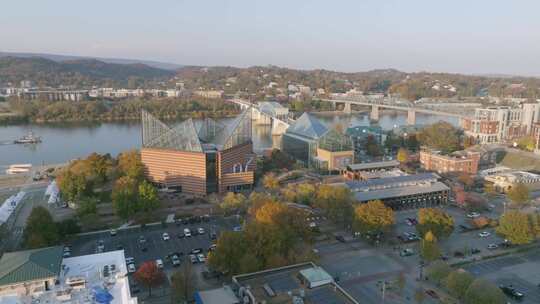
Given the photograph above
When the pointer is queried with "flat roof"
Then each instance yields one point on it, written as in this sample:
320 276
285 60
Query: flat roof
373 165
400 191
393 181
284 283
89 268
223 295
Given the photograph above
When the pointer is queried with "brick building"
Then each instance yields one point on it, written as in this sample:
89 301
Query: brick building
461 161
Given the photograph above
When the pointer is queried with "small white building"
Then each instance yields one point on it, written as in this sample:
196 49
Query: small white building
315 277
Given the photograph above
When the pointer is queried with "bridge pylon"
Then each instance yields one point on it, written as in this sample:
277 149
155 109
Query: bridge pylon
374 115
411 117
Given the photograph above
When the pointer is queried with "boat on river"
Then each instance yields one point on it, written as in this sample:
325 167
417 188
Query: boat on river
29 138
19 168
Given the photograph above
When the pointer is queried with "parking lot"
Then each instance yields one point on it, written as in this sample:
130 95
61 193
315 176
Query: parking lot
458 241
154 246
520 271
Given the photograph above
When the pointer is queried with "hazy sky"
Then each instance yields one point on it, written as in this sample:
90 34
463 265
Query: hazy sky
468 36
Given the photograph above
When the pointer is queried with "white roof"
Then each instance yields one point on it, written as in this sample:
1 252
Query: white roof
316 274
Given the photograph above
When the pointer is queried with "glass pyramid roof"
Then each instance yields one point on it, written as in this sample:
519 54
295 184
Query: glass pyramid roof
308 126
186 137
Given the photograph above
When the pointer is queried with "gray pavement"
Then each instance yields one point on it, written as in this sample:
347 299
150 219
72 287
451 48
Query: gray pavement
156 247
520 271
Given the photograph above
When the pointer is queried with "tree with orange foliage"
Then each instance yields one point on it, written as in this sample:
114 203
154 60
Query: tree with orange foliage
149 275
373 216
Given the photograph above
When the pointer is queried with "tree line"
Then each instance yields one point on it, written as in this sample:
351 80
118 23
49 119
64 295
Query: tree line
130 109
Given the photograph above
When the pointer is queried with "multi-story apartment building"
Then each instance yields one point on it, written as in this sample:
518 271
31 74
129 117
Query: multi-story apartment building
461 161
497 124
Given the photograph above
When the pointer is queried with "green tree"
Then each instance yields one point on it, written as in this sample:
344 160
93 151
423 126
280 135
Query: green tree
457 283
230 248
440 223
437 271
73 186
87 205
483 292
148 197
99 167
519 194
336 202
183 284
429 250
441 136
403 155
68 227
124 197
270 182
515 226
373 216
130 164
233 202
526 143
41 230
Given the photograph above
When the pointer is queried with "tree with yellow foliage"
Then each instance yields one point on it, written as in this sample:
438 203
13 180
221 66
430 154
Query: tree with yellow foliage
373 216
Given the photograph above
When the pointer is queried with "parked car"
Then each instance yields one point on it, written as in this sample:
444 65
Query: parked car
113 232
193 259
201 258
492 246
187 232
406 252
213 236
131 268
473 215
165 236
212 247
130 260
512 292
196 250
484 234
142 239
175 260
159 263
475 251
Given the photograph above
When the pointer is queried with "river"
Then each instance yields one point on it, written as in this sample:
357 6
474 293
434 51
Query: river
65 141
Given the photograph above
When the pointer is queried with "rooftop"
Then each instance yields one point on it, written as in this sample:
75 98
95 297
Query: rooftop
84 278
400 192
282 285
373 165
392 182
308 126
29 265
186 136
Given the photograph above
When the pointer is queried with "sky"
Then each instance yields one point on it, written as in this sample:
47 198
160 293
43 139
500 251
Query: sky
458 36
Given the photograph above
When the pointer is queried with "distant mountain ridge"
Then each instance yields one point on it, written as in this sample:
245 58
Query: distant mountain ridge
60 58
81 73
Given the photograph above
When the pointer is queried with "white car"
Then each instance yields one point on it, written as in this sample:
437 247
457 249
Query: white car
130 260
484 234
200 230
113 232
166 236
159 263
187 232
131 268
492 246
473 215
201 258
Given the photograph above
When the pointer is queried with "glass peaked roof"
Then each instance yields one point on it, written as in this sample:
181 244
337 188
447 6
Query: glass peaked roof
185 137
308 126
